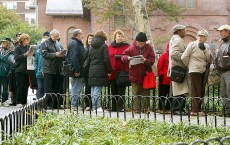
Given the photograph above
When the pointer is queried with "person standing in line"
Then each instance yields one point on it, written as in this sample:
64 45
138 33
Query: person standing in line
222 62
52 61
88 102
196 57
116 49
138 71
164 82
99 68
176 49
20 54
5 53
75 55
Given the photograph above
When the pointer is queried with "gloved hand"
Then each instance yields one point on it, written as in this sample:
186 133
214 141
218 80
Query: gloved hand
201 46
117 57
161 78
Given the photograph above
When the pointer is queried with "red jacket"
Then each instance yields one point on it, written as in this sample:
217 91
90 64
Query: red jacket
162 66
117 49
137 72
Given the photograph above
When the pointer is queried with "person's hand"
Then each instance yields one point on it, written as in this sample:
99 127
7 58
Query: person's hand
161 78
201 46
28 53
109 75
129 58
117 57
143 60
77 74
59 54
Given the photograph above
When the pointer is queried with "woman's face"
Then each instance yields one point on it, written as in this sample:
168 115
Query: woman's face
90 40
201 38
119 38
26 42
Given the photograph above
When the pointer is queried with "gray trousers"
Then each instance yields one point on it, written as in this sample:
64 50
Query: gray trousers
225 90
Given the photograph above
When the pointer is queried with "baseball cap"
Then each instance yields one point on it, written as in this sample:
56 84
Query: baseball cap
227 27
178 27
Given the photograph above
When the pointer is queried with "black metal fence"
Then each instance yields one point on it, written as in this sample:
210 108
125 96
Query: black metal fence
214 109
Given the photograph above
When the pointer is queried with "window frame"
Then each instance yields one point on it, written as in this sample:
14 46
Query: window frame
8 2
186 5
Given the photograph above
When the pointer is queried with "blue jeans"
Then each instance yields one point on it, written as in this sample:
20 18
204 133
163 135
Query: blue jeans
40 83
76 87
95 94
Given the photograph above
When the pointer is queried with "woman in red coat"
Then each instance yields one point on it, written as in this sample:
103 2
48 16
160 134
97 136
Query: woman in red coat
164 81
115 51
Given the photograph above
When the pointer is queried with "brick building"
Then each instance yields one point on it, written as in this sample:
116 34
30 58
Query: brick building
67 15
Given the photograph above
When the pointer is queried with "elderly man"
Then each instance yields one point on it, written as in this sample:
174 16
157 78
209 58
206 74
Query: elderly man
223 66
137 71
176 49
75 55
52 61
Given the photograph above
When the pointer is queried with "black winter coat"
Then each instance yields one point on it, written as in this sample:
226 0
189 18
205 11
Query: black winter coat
51 63
20 58
100 65
75 55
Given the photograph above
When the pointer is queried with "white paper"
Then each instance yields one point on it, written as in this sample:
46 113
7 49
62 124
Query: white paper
30 62
136 60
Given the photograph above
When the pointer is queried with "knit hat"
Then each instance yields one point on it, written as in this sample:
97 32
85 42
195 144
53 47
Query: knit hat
141 37
46 34
6 39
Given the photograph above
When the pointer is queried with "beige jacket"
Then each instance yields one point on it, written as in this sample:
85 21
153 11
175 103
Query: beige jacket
176 49
195 58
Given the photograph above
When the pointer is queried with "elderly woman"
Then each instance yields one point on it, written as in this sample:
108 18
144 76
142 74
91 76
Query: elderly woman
116 49
196 56
20 54
99 68
5 66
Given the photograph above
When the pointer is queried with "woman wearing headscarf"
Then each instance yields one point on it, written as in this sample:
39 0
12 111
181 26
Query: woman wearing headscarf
196 57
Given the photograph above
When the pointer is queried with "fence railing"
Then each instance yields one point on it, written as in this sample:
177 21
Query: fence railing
215 111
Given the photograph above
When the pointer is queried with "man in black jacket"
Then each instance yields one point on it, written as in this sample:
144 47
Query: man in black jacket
75 55
52 53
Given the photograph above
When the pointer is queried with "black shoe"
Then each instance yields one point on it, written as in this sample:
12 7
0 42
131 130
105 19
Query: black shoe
121 110
12 104
180 113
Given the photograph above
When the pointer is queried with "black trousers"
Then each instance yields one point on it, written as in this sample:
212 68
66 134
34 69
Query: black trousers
118 93
22 81
88 102
164 102
12 86
53 83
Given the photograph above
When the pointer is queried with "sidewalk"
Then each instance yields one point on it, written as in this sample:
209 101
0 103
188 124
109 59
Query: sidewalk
5 110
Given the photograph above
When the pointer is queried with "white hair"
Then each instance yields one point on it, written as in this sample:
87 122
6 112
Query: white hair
54 31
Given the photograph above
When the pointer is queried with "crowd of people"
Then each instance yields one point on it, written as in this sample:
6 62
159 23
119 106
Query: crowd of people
96 64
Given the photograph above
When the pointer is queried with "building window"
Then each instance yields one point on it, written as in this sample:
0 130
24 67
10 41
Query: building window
30 18
70 34
10 5
187 4
119 21
27 5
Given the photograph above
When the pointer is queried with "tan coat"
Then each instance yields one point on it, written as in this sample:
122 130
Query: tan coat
195 58
176 49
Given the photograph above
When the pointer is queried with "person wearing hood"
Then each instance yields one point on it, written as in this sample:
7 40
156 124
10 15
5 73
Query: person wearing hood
99 68
222 62
116 49
138 71
196 57
75 57
5 66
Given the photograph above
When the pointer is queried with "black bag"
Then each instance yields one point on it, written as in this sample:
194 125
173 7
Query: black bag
67 69
178 74
122 77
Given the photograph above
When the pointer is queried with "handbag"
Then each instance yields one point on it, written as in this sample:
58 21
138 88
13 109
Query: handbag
178 74
122 77
67 69
149 80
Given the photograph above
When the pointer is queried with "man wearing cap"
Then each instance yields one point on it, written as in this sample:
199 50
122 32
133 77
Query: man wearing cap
137 72
75 55
176 49
223 66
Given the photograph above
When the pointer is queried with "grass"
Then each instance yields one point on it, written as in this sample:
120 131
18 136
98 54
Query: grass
71 129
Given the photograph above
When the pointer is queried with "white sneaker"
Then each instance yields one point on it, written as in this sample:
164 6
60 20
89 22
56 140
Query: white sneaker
19 105
99 109
87 109
5 104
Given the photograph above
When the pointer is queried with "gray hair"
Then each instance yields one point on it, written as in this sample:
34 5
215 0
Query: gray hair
76 32
54 31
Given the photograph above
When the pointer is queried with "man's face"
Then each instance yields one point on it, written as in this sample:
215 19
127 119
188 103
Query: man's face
18 37
201 38
80 36
182 33
224 33
140 44
54 37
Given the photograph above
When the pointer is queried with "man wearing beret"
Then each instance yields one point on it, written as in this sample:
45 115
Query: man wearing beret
176 49
137 72
223 66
